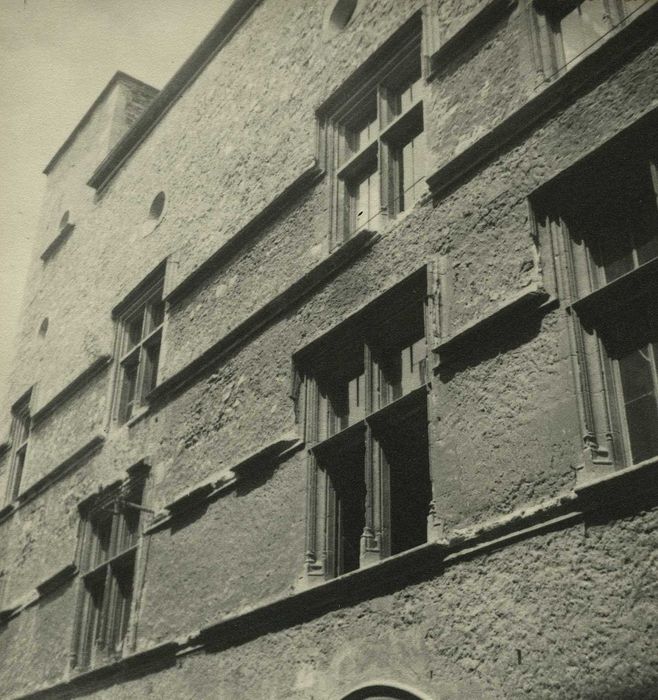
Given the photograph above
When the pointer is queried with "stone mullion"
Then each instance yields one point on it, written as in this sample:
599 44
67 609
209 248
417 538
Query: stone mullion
370 549
437 284
312 424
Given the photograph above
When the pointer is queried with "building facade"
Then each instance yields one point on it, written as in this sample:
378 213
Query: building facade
338 375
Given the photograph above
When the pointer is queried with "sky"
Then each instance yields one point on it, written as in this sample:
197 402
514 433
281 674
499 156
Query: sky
55 58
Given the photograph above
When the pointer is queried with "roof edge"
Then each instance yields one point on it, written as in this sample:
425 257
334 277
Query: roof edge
119 76
184 76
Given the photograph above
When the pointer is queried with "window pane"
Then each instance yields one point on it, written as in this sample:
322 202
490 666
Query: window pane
134 330
128 387
367 203
156 316
582 27
412 172
17 473
640 396
151 359
413 366
347 401
346 477
91 627
362 127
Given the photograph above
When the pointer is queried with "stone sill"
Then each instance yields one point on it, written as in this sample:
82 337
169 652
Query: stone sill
71 388
60 471
466 32
424 562
43 589
599 485
271 310
57 242
254 228
525 302
221 482
550 97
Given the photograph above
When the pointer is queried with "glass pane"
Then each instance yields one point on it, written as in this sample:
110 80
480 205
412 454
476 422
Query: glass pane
362 128
367 203
156 316
128 387
151 359
123 576
414 359
17 473
412 172
347 401
640 396
615 245
102 532
134 330
646 232
582 27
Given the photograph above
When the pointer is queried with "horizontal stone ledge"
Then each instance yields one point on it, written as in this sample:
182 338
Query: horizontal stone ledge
75 385
525 302
57 242
550 97
224 480
252 229
61 470
130 667
33 596
420 563
475 24
326 268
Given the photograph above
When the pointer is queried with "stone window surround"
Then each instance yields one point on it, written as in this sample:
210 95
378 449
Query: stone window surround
319 564
21 425
395 129
133 493
543 23
566 269
140 300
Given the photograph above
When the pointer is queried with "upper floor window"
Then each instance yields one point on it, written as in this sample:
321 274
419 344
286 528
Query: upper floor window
571 27
109 536
365 398
606 211
20 434
374 140
139 341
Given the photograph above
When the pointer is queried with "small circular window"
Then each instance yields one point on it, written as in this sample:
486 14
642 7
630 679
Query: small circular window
338 15
157 206
63 222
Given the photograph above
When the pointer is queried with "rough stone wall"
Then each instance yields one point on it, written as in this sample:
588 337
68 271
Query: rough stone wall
505 426
566 614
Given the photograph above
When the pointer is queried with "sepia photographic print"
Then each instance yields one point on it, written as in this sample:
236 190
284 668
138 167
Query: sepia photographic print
329 349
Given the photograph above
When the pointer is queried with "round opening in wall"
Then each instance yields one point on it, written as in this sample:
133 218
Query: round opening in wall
157 206
43 328
341 13
63 222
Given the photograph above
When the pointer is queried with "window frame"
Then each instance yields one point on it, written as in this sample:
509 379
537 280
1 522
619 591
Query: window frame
595 307
372 91
108 563
19 437
326 449
545 20
136 371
